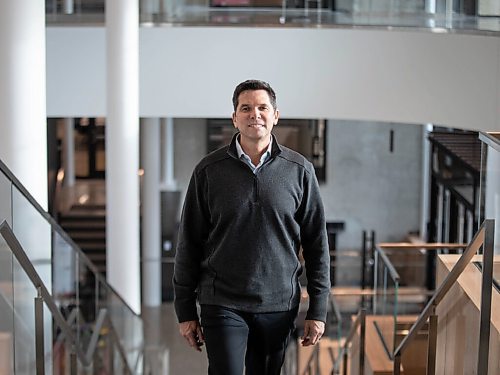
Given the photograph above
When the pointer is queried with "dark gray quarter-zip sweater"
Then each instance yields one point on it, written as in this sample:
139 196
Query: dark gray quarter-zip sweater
240 235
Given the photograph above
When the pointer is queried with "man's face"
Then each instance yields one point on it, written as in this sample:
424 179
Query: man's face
255 116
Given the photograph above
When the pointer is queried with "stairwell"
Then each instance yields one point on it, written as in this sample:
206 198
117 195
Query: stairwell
86 225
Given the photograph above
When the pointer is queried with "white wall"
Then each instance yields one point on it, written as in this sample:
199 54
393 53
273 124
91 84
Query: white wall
409 76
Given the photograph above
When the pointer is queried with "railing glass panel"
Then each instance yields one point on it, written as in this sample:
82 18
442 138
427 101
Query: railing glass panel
6 308
129 329
5 201
70 278
385 306
17 325
34 233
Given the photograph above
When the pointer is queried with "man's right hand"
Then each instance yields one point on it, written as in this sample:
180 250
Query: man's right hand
192 332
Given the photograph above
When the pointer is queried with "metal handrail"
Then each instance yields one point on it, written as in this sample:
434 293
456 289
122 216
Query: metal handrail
483 237
29 269
392 271
55 226
359 322
423 245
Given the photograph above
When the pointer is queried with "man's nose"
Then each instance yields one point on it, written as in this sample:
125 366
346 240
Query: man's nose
256 113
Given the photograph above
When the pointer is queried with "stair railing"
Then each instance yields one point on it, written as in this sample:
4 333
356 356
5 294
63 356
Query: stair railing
484 238
128 324
44 297
388 290
343 356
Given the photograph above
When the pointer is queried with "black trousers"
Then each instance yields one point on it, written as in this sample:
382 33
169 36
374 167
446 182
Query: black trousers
235 338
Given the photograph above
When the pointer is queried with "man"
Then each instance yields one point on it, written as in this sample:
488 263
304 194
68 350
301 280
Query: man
249 208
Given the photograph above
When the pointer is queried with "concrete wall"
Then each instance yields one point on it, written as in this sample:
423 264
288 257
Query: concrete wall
369 187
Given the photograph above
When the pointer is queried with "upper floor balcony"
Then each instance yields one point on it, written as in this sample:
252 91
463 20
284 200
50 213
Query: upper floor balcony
440 16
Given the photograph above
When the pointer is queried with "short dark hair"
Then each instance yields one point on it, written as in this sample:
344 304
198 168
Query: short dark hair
253 84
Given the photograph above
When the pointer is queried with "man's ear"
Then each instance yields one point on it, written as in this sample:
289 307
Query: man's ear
233 117
276 116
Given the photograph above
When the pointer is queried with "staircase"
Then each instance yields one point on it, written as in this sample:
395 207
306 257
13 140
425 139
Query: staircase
86 225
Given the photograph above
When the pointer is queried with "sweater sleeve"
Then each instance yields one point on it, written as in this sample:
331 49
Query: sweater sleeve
311 218
193 232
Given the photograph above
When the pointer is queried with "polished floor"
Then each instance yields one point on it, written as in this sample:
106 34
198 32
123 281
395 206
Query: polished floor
161 330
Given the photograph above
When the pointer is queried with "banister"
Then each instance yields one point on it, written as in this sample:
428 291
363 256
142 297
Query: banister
42 292
485 233
57 228
360 321
392 271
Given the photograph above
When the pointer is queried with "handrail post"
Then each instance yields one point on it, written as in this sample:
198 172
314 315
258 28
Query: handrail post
72 362
362 334
397 364
39 339
432 342
363 262
346 357
486 289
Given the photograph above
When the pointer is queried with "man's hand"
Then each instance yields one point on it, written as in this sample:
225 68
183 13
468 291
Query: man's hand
191 331
313 330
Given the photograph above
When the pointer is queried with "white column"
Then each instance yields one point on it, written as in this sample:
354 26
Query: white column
122 149
23 122
492 193
168 180
151 216
68 6
430 6
69 152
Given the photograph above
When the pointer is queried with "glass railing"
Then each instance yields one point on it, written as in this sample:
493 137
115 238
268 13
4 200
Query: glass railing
43 336
480 249
404 282
385 299
303 13
71 279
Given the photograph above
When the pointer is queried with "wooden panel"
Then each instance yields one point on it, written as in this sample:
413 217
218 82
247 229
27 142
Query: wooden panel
458 326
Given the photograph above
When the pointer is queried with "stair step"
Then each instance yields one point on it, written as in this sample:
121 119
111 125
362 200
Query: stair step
87 235
92 246
83 225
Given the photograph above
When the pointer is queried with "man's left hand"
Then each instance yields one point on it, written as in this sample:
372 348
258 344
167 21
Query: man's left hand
313 330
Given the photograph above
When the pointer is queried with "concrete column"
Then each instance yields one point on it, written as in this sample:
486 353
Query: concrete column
69 152
122 149
167 152
151 216
23 123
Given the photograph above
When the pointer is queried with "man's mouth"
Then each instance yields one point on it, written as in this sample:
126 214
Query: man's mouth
256 125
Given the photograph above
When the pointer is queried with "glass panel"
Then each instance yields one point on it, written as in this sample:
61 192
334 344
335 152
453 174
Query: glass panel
34 233
128 327
5 199
24 322
6 309
64 288
386 306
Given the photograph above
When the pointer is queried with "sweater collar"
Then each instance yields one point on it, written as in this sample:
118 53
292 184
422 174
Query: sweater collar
233 152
